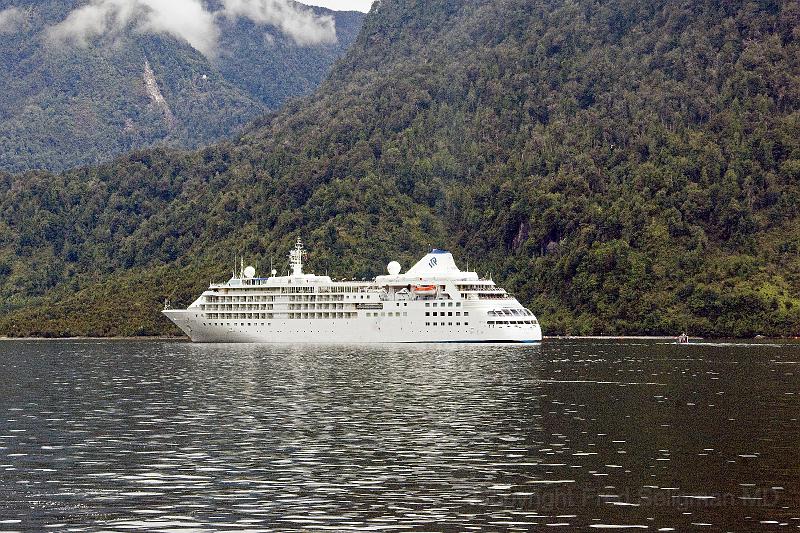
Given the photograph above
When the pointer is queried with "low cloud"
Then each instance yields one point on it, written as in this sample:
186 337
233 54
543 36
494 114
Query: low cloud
11 20
300 23
184 19
188 20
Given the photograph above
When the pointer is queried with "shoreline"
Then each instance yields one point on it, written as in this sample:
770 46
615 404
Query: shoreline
143 339
165 338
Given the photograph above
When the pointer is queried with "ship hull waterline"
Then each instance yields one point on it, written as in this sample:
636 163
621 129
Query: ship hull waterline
357 331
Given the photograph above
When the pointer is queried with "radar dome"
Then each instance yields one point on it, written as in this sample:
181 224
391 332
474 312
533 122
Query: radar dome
393 268
249 272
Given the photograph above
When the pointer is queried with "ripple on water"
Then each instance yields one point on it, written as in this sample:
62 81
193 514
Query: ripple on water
118 436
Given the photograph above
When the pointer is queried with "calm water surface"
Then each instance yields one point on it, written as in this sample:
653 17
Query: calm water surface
570 435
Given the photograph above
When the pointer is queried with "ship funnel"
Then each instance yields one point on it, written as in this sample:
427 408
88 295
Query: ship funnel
436 263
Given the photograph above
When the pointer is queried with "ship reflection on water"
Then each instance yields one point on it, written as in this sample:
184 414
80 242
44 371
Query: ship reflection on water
162 436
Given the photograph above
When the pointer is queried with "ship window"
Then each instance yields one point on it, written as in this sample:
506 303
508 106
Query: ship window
466 323
458 323
397 304
427 323
427 304
427 313
458 304
450 313
458 313
466 313
449 323
405 314
405 304
450 304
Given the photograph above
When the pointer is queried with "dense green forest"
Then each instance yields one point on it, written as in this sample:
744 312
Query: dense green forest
624 167
63 105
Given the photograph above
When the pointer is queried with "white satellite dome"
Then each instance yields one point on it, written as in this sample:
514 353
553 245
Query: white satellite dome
249 272
393 268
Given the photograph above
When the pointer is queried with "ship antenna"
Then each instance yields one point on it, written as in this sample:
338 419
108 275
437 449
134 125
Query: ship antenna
296 258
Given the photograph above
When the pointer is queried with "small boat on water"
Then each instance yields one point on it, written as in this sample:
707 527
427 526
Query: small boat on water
683 338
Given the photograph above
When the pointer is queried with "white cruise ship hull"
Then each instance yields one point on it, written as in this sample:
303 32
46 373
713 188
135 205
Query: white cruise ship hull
343 331
434 301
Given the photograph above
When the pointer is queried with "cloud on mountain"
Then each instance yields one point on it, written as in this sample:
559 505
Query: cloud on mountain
183 19
188 20
299 23
11 20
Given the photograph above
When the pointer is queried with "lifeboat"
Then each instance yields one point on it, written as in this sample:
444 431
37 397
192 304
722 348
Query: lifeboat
424 290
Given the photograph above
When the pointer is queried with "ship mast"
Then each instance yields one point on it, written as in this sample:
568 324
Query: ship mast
296 259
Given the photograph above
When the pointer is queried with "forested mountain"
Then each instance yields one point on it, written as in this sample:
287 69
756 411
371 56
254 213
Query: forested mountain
623 166
76 91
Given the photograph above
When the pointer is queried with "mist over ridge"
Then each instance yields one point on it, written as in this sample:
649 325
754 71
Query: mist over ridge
75 83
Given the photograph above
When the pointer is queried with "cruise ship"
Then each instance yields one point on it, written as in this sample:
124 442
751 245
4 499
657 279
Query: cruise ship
434 301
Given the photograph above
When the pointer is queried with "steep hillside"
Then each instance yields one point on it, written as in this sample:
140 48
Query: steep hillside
625 167
74 95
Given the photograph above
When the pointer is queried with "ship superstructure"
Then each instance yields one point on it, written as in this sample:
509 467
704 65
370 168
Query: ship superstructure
434 301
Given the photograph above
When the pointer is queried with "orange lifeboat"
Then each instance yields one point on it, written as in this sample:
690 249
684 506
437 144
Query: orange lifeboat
424 290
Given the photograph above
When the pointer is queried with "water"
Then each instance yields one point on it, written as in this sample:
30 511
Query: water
570 435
